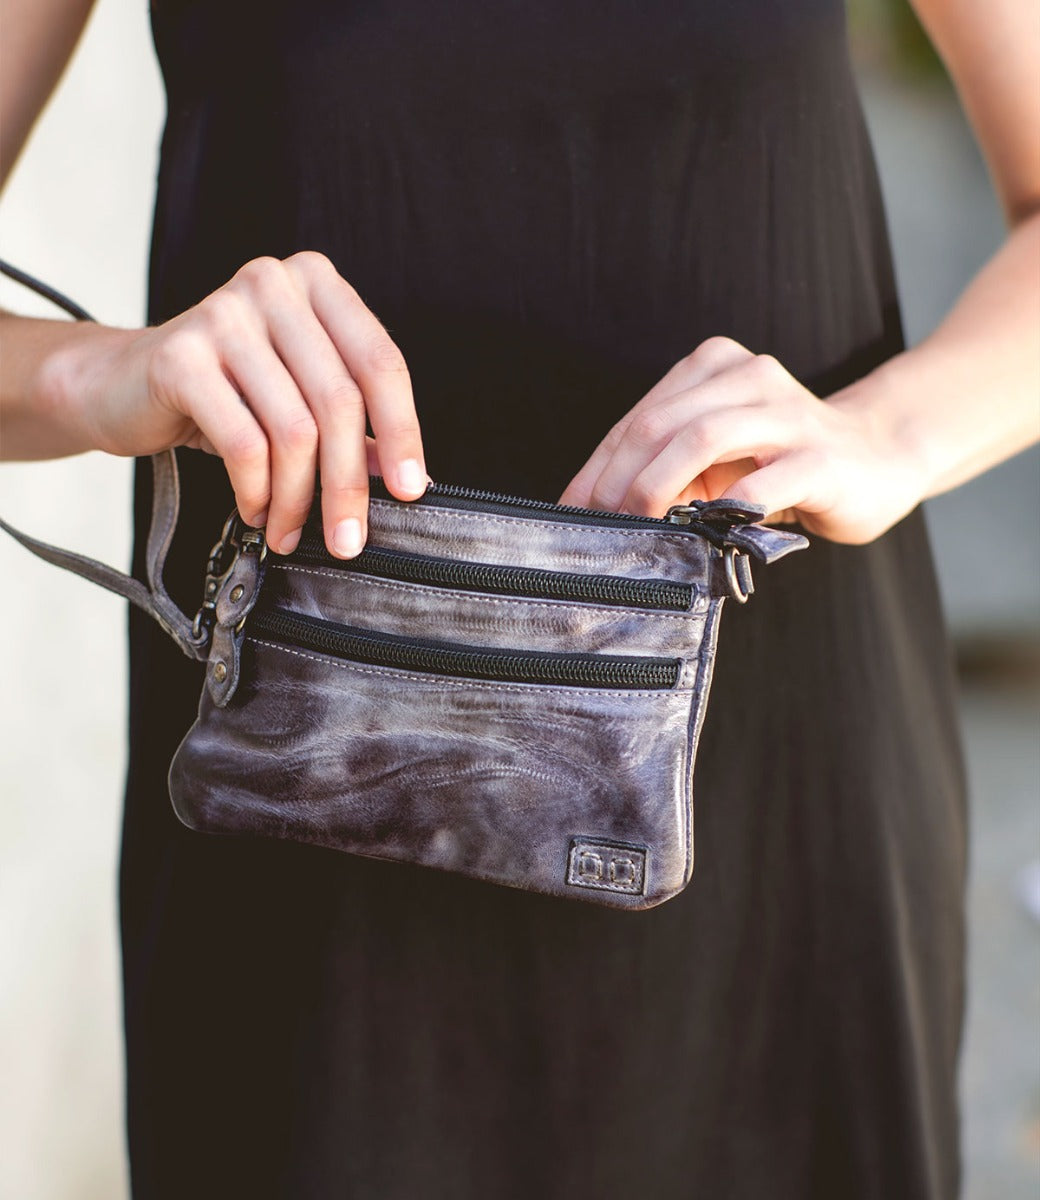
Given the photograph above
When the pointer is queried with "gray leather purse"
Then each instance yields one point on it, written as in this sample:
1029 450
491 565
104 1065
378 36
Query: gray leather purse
501 687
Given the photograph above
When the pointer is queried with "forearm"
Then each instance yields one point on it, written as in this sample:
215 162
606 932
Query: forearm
42 409
967 397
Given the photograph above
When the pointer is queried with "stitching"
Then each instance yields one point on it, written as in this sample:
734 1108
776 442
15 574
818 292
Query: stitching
450 680
701 686
459 514
656 614
628 889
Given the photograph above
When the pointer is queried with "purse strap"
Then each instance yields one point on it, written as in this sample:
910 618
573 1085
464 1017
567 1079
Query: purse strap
152 597
190 635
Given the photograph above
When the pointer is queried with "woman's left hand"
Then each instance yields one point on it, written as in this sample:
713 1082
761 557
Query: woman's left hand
726 422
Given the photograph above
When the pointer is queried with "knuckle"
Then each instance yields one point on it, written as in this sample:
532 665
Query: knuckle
298 433
221 312
604 499
247 447
341 393
713 347
649 427
398 428
259 271
767 370
707 431
293 510
176 358
715 350
383 357
250 499
346 497
643 497
310 262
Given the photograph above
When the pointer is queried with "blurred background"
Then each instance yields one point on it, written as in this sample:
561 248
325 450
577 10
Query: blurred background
77 213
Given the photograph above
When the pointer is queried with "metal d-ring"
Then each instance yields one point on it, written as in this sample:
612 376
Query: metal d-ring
738 574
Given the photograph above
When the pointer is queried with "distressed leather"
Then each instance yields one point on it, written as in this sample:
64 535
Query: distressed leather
569 791
564 790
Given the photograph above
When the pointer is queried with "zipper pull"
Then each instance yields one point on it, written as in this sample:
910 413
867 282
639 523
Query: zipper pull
725 513
734 530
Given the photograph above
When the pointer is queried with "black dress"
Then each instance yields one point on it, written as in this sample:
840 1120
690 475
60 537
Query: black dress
548 203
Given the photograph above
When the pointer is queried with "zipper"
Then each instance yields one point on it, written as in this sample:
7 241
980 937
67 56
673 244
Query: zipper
528 582
711 519
468 662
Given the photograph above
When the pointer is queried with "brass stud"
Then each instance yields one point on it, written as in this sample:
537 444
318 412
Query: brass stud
220 671
237 592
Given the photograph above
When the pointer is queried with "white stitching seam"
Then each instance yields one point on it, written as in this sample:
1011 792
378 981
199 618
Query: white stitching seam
332 573
529 522
526 689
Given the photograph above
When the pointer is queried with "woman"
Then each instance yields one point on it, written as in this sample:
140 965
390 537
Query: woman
545 206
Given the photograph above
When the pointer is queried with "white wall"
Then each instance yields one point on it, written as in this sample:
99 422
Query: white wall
76 213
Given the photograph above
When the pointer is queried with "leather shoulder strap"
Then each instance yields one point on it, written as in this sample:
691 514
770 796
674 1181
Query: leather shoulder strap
166 502
151 597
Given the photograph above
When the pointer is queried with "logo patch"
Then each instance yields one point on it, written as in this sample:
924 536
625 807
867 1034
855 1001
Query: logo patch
609 866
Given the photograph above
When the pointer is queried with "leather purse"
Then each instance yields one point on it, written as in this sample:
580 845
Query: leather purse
497 686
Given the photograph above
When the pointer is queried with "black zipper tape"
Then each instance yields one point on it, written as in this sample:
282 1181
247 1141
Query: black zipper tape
526 582
708 519
625 672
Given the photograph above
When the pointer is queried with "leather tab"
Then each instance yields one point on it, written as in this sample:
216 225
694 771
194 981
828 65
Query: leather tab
764 542
238 593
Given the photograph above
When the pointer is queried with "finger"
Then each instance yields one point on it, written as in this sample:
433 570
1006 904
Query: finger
699 411
275 400
790 482
714 438
709 359
379 368
230 430
338 408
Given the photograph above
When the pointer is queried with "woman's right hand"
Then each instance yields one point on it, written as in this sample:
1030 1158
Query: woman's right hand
275 372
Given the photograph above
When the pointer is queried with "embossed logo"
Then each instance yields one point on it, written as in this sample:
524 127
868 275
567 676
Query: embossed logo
610 866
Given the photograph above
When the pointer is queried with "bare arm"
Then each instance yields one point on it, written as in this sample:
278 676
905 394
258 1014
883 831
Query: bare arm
726 421
277 371
37 38
976 379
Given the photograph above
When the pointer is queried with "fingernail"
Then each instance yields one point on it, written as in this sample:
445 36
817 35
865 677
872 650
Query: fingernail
290 542
260 519
346 537
411 477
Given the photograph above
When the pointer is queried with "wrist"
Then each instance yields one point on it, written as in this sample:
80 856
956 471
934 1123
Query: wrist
887 406
69 390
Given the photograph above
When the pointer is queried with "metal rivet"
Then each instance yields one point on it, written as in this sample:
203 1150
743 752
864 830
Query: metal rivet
220 671
237 592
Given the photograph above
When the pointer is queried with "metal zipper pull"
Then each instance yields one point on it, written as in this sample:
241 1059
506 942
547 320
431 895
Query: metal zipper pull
715 519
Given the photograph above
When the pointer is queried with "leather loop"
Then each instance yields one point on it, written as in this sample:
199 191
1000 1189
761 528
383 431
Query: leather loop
153 597
166 502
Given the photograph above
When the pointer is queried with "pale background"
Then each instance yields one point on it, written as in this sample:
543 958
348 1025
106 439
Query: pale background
77 213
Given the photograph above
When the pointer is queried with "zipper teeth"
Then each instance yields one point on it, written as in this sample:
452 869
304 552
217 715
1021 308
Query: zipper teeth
472 662
458 492
560 512
526 582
